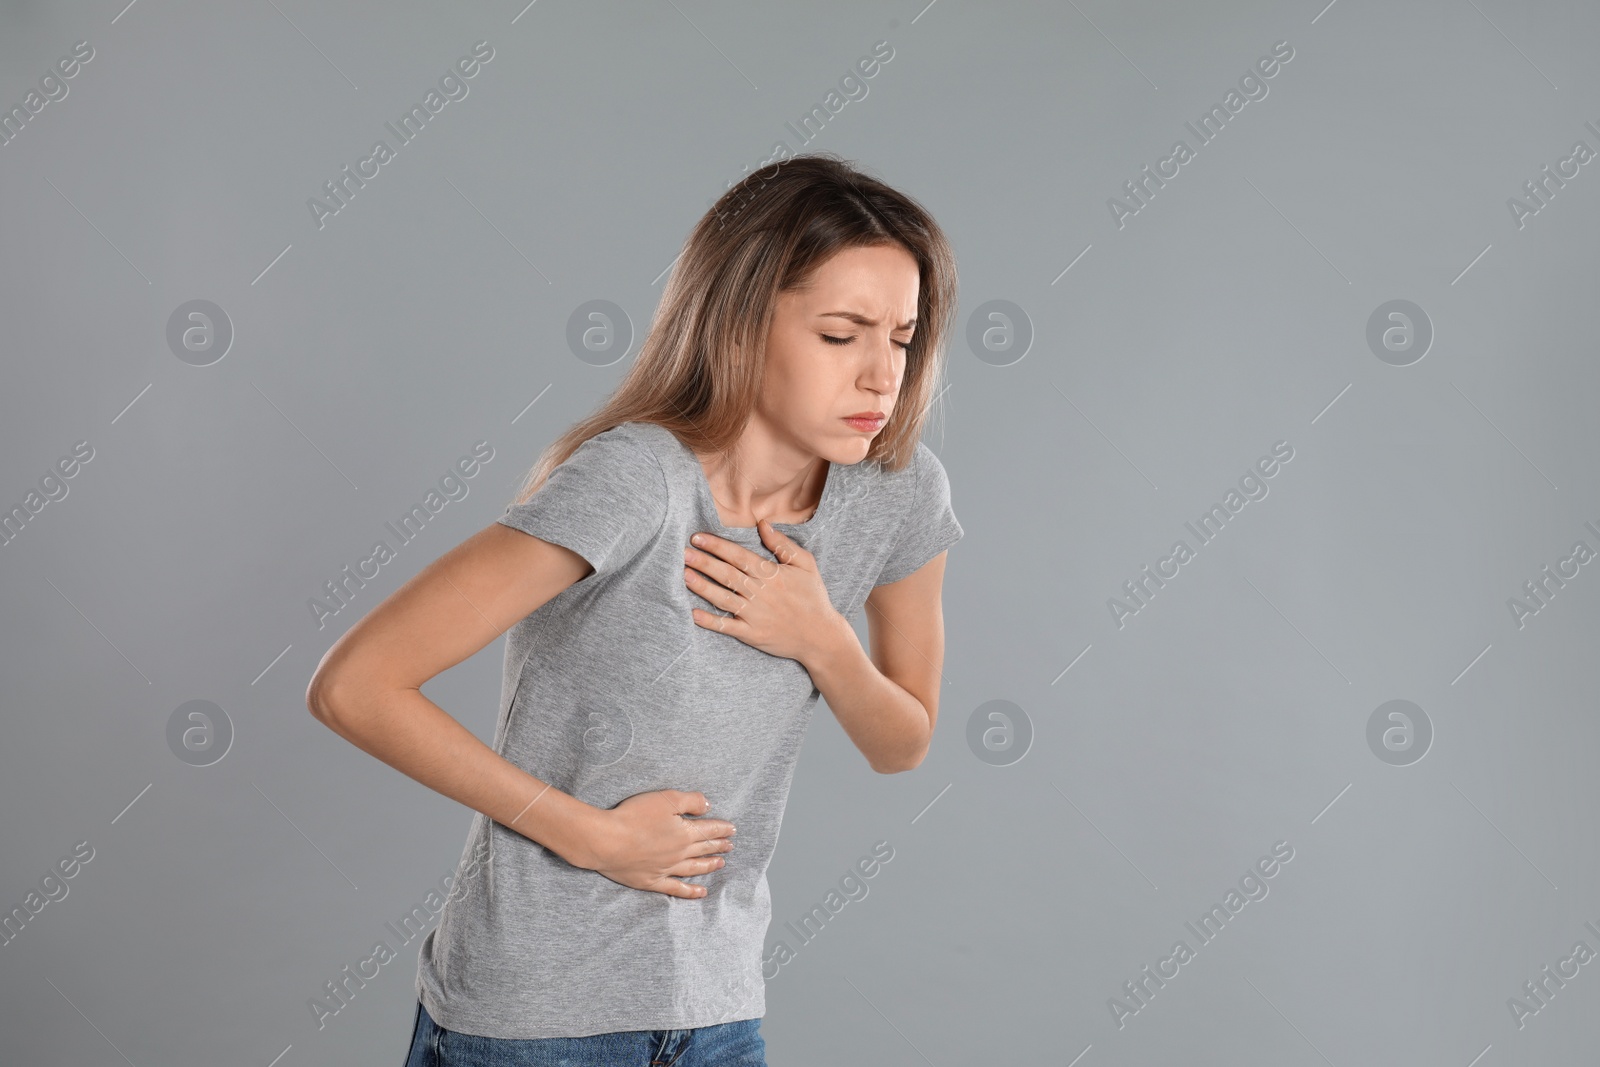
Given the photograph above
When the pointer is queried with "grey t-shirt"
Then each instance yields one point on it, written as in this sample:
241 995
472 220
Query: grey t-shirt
610 689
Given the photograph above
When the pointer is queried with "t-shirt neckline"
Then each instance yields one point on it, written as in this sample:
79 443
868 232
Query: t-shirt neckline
703 487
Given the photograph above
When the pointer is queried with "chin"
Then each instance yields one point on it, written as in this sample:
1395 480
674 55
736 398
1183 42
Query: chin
844 448
851 451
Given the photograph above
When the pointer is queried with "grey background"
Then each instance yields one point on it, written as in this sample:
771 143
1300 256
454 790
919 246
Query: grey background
1229 314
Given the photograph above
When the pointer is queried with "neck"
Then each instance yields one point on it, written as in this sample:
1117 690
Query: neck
764 475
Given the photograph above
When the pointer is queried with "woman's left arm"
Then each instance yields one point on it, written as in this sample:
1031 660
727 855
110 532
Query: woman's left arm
888 705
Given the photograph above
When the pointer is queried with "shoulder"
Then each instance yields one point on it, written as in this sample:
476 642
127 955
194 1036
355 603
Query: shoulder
922 477
630 446
618 465
646 442
931 473
922 492
921 458
926 463
896 492
606 502
892 499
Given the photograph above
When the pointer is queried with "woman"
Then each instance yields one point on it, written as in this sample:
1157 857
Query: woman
655 692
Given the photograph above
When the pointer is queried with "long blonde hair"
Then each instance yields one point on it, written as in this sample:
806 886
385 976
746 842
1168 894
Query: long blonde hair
699 369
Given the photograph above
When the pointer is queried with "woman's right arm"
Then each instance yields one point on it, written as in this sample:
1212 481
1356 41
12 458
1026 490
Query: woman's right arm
367 689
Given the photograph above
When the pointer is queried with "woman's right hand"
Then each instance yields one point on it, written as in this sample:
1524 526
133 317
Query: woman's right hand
646 843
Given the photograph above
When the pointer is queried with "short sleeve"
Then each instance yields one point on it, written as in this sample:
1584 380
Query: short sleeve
929 526
605 502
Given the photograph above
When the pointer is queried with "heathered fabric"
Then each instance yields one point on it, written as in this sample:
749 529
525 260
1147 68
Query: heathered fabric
611 689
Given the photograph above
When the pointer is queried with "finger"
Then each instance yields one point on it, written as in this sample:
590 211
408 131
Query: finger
712 593
788 551
692 802
715 828
709 591
727 574
713 544
704 830
673 887
697 865
741 557
714 846
723 624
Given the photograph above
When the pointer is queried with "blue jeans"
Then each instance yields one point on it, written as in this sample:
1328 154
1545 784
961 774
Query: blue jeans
735 1044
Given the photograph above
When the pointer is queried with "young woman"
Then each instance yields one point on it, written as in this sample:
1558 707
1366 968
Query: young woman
675 580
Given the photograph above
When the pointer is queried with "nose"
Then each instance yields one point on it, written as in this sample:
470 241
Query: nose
882 374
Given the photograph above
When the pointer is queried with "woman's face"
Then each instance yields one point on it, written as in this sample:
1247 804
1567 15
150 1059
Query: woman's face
835 349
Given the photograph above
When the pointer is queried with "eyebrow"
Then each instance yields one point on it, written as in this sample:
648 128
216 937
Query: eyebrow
862 320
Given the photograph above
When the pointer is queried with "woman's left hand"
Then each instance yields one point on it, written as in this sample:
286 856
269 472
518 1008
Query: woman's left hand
781 607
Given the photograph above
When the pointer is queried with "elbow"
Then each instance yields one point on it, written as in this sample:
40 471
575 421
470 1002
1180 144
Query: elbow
906 763
345 701
910 759
320 697
897 768
336 685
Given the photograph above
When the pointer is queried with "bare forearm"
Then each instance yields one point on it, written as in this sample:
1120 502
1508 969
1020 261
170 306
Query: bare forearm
419 739
888 724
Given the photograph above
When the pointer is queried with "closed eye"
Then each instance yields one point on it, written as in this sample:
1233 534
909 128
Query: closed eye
904 345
